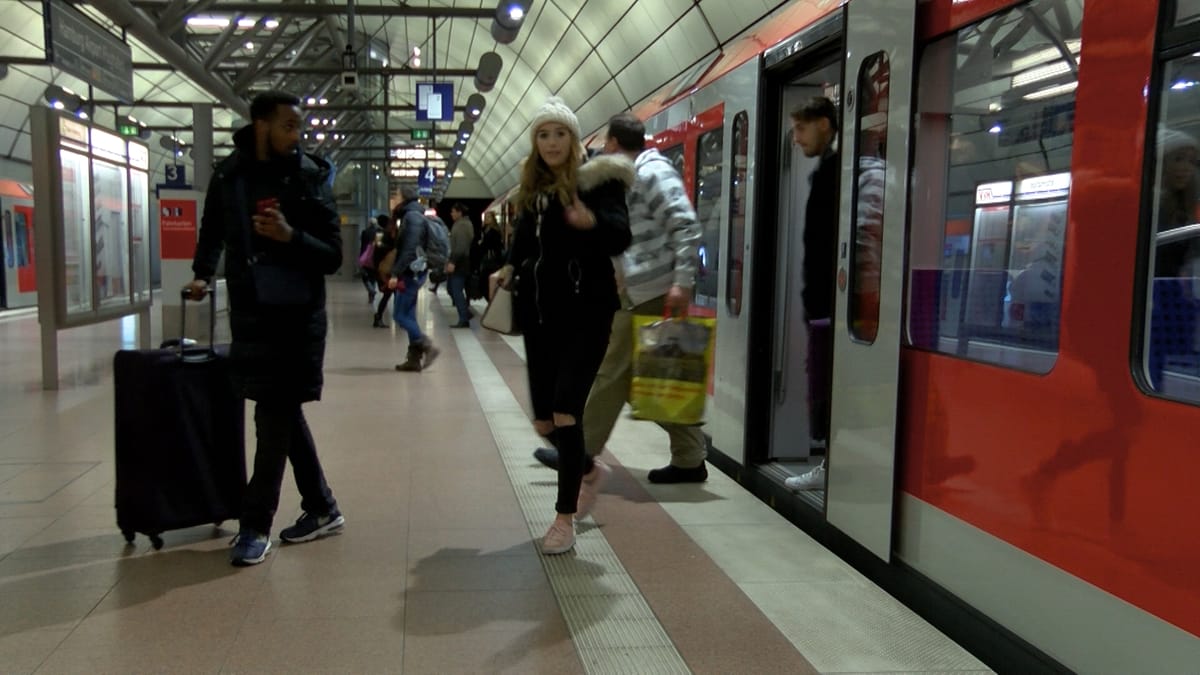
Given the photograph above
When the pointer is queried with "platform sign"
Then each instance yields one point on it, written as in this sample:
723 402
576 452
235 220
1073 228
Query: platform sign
84 48
435 102
176 175
425 180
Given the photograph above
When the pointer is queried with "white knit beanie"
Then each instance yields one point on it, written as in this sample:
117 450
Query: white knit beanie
553 110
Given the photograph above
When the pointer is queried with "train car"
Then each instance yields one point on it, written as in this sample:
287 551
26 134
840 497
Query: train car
1015 394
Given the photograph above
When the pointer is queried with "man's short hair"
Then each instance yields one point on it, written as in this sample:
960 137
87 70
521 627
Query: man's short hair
265 105
409 192
628 131
383 220
817 107
461 208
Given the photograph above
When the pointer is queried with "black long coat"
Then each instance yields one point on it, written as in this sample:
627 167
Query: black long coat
278 351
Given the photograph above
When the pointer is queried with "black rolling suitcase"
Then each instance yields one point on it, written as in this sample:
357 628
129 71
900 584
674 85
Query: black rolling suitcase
180 444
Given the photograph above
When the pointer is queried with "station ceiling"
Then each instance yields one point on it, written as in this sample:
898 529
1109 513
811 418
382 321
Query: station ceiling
601 56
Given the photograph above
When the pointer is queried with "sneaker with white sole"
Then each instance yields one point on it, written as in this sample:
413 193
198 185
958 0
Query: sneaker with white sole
589 489
559 538
814 479
310 527
249 548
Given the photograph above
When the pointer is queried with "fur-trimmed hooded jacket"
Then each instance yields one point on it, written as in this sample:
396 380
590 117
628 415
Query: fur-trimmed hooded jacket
562 270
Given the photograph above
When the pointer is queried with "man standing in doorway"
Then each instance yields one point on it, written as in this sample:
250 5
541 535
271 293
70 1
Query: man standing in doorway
814 129
270 208
658 271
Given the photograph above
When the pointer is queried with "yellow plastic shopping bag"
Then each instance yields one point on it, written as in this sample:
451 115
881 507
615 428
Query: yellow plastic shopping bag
671 360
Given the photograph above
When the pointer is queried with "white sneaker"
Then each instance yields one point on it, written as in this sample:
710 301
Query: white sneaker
813 479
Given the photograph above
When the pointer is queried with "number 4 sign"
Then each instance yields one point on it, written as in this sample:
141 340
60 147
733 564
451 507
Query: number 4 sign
425 180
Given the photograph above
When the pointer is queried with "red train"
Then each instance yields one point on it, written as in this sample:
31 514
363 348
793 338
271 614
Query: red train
1015 406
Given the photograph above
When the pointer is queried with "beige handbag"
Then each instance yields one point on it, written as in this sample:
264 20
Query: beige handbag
499 313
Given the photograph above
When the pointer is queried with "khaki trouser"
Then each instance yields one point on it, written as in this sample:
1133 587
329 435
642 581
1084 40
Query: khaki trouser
610 392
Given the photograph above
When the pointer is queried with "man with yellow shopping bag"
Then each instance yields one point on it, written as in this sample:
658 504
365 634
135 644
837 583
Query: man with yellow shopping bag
656 273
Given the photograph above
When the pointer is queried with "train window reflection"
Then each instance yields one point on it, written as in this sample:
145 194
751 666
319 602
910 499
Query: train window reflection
992 179
869 173
737 214
1171 344
1187 11
710 182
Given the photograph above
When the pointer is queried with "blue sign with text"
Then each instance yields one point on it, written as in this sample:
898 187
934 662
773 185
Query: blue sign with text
425 180
435 102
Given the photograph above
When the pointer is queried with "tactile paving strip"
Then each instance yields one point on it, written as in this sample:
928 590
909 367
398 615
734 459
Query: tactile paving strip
612 627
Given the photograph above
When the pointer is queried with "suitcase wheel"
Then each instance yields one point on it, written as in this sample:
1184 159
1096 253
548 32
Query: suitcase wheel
156 541
128 536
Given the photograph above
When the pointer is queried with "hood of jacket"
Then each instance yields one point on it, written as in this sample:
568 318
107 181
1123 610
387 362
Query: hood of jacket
649 156
245 152
603 168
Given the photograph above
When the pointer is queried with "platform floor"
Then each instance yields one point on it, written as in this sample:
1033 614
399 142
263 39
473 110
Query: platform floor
438 569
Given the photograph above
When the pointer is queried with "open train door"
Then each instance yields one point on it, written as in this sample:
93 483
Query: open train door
879 67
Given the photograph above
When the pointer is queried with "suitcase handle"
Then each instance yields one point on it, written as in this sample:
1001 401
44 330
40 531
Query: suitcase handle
211 352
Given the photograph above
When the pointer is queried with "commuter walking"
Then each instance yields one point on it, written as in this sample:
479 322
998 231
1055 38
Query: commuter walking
658 271
269 207
408 273
572 219
458 268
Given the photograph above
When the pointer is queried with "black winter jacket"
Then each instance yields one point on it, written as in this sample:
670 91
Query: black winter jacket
562 270
277 352
820 239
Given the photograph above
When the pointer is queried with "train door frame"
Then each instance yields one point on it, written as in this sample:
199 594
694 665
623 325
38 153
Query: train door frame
869 298
813 49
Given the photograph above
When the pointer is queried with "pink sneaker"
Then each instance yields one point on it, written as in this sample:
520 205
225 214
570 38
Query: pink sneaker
559 538
593 481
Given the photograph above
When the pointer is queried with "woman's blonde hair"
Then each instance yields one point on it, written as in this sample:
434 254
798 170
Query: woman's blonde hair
537 178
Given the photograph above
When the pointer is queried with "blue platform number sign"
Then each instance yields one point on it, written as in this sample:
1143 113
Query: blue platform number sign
176 175
435 102
425 180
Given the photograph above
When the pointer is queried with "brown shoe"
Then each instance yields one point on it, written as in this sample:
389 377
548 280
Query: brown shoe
412 361
429 351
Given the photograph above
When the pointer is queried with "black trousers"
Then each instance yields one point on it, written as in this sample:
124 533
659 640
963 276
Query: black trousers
283 435
563 356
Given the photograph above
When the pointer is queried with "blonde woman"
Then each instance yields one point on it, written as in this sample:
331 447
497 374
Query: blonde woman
572 220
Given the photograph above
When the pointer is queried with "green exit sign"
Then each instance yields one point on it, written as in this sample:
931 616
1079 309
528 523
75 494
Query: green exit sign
126 129
420 134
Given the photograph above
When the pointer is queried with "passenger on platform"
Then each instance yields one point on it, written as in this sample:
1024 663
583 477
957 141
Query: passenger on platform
815 129
458 267
572 220
369 237
407 275
270 208
487 255
386 246
657 271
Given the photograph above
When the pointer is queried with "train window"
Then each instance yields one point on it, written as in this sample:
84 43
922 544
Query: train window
995 125
674 155
869 174
1171 343
709 183
737 214
1187 11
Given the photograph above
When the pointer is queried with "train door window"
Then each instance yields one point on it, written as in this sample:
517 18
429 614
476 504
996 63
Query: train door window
674 155
737 214
1171 341
995 126
710 181
870 170
1187 11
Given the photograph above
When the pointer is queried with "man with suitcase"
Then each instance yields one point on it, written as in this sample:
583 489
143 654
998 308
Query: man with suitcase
270 208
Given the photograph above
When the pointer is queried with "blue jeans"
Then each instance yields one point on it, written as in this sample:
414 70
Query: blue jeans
404 311
458 293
